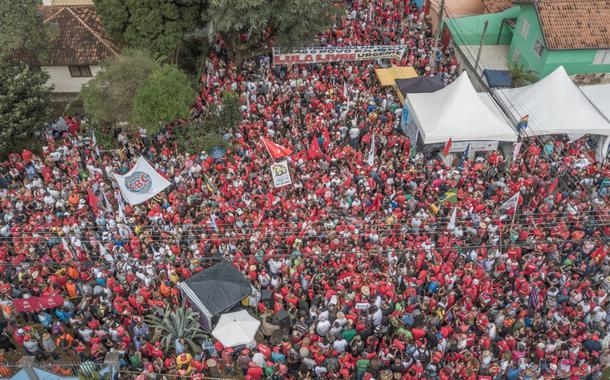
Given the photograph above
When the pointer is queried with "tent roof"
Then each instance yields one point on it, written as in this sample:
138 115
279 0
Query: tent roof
388 76
419 85
457 112
555 106
219 287
599 95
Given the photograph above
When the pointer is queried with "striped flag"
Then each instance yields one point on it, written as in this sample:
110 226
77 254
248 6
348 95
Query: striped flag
523 123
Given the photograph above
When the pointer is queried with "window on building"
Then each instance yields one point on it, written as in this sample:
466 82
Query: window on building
516 56
525 29
538 47
602 57
80 71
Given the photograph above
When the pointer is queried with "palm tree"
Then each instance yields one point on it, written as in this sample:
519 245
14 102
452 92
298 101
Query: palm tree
181 323
521 76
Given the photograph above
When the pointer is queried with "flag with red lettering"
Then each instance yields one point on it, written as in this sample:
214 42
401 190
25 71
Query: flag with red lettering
314 149
275 150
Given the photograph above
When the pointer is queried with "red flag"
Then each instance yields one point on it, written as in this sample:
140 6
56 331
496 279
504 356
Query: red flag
225 188
93 200
275 150
447 147
27 305
326 137
314 149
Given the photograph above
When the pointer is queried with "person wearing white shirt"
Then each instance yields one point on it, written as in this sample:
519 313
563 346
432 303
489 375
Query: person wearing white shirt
340 345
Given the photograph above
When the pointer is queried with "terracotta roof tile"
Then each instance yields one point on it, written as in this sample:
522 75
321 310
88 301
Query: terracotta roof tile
575 24
80 40
495 6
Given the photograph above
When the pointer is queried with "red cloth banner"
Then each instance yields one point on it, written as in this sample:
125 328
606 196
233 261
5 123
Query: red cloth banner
27 305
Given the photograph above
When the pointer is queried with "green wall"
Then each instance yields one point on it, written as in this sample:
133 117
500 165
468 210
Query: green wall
574 61
467 30
525 46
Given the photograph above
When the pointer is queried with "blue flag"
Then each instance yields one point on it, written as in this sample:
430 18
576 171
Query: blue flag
523 123
463 158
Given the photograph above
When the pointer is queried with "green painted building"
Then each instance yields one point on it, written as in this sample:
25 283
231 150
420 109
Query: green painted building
550 33
544 34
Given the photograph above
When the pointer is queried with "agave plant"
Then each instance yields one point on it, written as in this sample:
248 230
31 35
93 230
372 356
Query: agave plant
181 323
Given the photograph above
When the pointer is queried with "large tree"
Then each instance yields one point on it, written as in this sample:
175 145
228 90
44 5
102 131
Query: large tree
251 27
108 98
155 25
165 97
24 106
22 27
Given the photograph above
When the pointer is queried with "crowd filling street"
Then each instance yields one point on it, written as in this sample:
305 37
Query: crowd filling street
377 285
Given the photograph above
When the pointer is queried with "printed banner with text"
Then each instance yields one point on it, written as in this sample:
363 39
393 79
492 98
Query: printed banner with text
336 54
280 173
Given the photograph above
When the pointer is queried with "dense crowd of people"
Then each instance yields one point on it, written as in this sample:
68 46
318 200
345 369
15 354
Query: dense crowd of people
379 280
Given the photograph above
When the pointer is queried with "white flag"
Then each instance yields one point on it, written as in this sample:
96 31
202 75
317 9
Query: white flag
511 203
371 159
516 150
451 225
141 183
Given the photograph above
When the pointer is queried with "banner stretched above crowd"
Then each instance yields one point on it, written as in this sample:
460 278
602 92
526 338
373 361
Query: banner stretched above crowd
141 183
336 54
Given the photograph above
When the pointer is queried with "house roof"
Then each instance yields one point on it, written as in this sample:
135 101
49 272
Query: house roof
80 39
575 24
495 6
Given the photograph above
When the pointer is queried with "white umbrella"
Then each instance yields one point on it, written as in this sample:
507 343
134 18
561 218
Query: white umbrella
234 329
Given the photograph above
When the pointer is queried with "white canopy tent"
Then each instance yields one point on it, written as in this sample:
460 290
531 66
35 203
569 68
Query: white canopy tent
555 106
599 95
457 112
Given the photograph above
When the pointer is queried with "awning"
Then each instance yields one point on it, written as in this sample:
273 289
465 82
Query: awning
387 77
498 78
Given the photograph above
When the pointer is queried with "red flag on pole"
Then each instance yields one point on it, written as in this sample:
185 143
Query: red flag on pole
326 137
447 147
314 149
93 200
275 150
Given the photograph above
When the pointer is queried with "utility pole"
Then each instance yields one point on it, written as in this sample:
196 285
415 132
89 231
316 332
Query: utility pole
439 28
476 64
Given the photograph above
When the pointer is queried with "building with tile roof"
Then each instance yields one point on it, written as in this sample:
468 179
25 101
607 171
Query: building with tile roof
78 50
572 33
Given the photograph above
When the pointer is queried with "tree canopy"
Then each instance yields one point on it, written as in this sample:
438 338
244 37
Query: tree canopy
154 25
108 98
165 97
21 26
250 27
24 105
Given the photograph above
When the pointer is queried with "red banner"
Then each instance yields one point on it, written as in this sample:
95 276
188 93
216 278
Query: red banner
51 302
33 304
27 305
